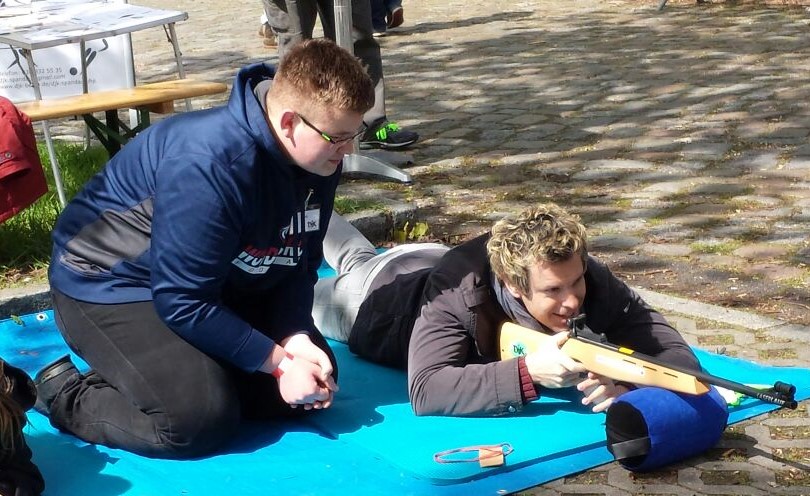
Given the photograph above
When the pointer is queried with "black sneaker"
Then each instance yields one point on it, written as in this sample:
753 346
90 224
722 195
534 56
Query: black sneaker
51 380
387 135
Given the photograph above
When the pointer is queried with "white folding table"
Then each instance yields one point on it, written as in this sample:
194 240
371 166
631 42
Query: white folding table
46 24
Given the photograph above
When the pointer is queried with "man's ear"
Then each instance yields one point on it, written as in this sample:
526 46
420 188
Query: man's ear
513 291
287 123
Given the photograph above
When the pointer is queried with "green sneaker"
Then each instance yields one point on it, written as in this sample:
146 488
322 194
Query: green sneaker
387 135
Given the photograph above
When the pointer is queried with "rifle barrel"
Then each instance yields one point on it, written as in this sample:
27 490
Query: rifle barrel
770 396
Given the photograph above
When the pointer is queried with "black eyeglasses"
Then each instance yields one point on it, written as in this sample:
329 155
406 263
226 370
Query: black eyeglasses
334 141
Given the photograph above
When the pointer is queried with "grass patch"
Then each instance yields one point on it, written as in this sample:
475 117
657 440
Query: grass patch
753 234
25 239
799 412
345 205
792 432
792 282
719 248
624 203
676 208
786 354
792 477
727 454
719 340
725 477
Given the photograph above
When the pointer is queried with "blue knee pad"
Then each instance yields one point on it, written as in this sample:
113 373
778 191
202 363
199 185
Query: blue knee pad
650 427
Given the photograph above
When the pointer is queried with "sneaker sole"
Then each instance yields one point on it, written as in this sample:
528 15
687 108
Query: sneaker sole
397 18
384 145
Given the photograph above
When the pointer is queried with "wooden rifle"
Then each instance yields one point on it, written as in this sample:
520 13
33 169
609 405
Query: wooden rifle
622 364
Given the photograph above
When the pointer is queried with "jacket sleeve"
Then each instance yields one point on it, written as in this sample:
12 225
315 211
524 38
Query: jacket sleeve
443 379
614 309
195 233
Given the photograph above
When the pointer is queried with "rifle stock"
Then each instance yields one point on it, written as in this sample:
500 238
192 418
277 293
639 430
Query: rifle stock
626 365
620 364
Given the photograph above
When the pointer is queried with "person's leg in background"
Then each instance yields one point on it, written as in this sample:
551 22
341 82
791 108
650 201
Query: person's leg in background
293 21
301 17
269 37
150 391
381 133
395 15
379 13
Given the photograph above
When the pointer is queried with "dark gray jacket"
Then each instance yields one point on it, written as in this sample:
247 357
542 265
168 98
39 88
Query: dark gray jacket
447 319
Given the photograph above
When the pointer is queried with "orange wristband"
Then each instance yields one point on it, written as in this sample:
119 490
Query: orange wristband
283 365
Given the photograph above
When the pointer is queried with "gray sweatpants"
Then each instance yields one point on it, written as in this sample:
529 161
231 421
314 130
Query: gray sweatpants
357 263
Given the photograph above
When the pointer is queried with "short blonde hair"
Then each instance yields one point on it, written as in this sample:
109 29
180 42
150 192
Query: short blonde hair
320 74
542 233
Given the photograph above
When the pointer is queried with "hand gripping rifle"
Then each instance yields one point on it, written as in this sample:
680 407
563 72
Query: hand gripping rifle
623 364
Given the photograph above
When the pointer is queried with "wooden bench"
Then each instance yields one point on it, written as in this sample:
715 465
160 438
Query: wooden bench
146 98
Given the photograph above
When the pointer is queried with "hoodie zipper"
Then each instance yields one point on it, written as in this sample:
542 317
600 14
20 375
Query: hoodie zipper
300 230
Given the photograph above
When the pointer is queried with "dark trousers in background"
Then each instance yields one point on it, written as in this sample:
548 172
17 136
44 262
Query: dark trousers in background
150 391
294 21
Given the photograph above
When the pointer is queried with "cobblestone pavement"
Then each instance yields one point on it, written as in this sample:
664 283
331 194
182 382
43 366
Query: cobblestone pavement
680 137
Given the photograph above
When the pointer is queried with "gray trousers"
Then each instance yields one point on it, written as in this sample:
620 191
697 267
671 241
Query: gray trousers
294 21
358 265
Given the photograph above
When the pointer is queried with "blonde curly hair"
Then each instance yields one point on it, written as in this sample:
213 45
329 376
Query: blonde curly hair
541 233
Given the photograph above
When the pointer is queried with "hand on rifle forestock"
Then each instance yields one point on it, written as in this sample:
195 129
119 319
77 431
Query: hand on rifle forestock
550 367
600 391
556 361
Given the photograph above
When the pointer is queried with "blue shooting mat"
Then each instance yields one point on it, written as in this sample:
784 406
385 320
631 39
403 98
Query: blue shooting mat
368 442
374 412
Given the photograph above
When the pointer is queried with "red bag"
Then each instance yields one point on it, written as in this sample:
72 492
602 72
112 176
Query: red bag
22 180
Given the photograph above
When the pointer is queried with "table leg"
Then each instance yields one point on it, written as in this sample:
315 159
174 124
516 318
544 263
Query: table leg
85 88
178 57
57 176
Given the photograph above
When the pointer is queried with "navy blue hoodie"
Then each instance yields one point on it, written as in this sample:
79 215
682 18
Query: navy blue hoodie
198 207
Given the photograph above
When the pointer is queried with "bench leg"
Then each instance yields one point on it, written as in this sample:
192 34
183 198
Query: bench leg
109 132
111 118
102 133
